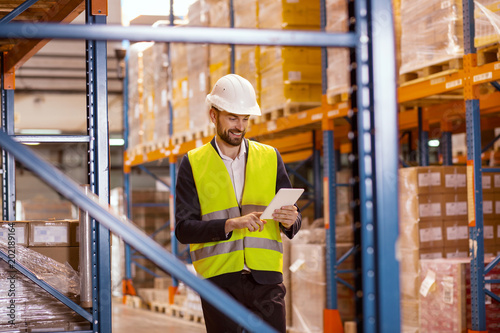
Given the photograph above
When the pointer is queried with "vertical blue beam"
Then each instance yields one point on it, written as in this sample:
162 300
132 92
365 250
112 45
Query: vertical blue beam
386 166
97 111
476 242
169 82
366 162
8 162
446 148
126 176
331 257
324 50
423 141
173 239
231 24
478 306
318 184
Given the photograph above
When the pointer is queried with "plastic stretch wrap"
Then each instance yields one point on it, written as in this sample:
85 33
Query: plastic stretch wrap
432 33
219 55
34 307
338 59
136 95
245 13
308 281
198 78
487 22
180 88
160 104
285 14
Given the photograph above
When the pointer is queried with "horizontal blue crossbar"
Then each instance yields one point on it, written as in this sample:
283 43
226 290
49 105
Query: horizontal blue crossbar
178 34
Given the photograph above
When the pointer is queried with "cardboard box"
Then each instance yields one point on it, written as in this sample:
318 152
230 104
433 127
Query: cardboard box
409 285
62 254
496 183
461 251
49 234
455 206
489 232
420 180
456 233
431 253
489 205
488 182
74 233
455 178
409 263
408 235
18 229
431 207
408 208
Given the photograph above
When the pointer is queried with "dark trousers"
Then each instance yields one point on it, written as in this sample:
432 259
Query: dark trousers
266 301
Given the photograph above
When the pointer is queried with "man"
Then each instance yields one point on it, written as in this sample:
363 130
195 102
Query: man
222 189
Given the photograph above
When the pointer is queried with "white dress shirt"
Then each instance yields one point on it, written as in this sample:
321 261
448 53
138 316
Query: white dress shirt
236 169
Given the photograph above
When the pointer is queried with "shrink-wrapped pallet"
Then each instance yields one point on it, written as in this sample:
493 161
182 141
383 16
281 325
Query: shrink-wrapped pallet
338 58
487 22
246 61
432 34
308 281
198 66
136 96
219 55
285 14
289 74
160 105
29 306
180 89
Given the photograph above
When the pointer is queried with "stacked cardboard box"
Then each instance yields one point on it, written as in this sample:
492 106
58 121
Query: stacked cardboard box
148 96
445 296
338 73
198 78
246 61
434 222
289 74
219 55
180 89
431 33
40 208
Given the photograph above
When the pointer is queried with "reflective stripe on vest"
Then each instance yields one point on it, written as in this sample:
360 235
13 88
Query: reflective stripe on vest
259 250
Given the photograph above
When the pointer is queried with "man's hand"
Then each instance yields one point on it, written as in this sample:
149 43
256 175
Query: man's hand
250 221
287 216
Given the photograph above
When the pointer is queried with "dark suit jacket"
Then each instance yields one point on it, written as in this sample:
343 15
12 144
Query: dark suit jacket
189 228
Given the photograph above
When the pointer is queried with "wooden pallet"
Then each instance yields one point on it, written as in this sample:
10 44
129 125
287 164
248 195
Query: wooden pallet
442 68
336 98
488 54
179 312
283 110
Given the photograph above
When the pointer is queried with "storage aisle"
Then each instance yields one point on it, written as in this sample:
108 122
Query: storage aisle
130 320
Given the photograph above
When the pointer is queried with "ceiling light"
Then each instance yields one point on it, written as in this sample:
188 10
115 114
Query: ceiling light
434 143
116 142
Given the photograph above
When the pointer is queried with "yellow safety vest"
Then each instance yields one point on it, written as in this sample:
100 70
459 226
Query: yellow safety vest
261 251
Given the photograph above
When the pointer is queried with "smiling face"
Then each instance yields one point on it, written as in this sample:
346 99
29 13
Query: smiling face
231 128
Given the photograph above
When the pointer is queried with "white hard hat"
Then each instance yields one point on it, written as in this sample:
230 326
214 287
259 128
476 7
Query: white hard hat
234 94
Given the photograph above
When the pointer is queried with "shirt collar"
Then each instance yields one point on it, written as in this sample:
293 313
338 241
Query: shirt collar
243 150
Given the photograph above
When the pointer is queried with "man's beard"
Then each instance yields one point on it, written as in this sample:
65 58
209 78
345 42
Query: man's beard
224 135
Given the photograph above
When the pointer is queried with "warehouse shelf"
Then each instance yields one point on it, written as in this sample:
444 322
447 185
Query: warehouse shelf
380 301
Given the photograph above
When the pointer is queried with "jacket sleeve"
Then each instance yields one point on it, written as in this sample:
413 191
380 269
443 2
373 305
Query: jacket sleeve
282 181
189 228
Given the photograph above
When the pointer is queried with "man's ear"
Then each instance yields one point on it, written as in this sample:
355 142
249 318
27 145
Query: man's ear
213 116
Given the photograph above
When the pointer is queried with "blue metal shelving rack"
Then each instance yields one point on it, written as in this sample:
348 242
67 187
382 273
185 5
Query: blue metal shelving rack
374 115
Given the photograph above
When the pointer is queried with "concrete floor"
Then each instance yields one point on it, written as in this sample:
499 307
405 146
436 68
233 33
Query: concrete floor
130 320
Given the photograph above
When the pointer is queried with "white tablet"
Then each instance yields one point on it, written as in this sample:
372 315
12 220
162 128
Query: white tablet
284 197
